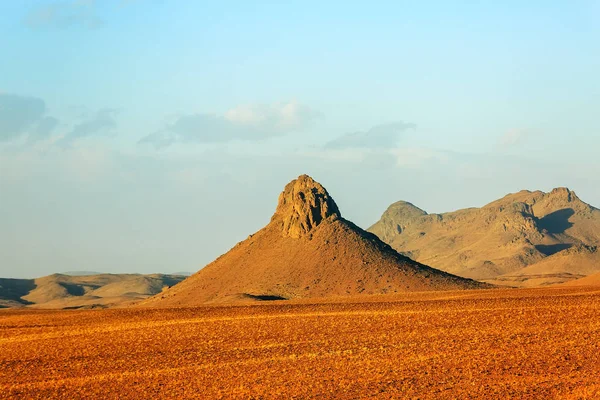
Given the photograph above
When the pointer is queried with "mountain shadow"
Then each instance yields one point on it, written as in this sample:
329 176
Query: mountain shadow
263 297
558 221
550 249
14 289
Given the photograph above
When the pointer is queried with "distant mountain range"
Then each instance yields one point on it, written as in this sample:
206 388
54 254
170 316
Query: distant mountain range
84 273
82 291
524 239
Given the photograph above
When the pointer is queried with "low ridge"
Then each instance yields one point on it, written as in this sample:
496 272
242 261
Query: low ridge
306 251
524 239
82 291
590 280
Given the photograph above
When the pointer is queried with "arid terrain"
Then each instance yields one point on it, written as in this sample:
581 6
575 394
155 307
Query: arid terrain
83 291
312 306
505 343
525 239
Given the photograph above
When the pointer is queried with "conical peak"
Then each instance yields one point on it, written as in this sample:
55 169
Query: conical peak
303 205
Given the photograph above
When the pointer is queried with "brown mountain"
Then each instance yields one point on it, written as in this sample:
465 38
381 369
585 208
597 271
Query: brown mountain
524 239
82 291
307 251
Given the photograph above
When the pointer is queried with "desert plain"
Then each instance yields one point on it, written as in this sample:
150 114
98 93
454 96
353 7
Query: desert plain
541 343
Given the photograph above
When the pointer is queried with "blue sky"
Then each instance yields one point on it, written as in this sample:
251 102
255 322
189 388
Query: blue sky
144 136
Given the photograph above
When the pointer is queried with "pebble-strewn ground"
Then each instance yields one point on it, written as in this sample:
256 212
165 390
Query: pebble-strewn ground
523 344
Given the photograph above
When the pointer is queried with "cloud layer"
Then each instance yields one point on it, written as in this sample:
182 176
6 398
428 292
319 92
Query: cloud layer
101 123
511 138
380 136
24 116
250 122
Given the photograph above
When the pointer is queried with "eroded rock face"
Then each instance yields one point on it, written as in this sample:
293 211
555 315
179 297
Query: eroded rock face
303 205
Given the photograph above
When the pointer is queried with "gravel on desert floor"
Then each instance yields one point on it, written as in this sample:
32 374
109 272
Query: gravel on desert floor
519 343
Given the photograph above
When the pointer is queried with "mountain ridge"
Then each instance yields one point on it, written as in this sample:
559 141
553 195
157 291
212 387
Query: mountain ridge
498 239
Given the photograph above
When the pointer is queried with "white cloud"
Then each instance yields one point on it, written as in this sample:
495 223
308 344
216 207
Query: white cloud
277 118
511 138
247 122
24 116
100 123
380 136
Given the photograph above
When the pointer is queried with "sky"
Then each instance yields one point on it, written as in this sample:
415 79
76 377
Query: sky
152 136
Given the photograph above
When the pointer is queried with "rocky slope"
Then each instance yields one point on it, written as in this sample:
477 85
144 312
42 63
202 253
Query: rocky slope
524 239
307 251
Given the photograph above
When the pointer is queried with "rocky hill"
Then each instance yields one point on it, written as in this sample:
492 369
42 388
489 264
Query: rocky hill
306 251
524 239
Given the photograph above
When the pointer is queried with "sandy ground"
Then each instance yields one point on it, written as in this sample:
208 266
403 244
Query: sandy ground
522 343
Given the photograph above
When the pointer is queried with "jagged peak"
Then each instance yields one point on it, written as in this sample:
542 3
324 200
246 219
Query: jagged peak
564 192
557 197
303 205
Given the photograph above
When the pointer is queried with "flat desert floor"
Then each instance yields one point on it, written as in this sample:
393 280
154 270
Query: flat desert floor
522 343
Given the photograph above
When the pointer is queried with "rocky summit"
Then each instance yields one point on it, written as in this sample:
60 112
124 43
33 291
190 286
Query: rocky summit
302 206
